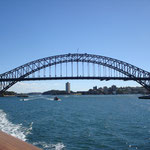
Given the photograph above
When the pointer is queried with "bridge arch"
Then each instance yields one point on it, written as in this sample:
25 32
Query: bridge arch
11 77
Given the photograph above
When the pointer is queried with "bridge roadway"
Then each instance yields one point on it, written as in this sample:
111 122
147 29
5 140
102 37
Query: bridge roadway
74 78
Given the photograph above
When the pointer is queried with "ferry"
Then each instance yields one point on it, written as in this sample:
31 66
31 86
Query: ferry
22 95
145 97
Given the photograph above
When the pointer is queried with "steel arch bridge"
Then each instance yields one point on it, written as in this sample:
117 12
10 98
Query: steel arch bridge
75 66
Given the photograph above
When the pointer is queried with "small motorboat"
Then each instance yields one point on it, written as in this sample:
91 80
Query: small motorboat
56 99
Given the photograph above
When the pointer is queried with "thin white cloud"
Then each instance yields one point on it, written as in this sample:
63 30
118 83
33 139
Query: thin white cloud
22 87
41 86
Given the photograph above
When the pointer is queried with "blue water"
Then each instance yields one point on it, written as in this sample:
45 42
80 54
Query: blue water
113 122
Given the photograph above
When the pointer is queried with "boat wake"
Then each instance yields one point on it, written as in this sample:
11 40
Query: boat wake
45 146
51 99
16 130
24 99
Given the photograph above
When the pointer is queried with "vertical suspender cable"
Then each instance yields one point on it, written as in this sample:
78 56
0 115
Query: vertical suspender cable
83 69
66 68
72 68
55 66
61 69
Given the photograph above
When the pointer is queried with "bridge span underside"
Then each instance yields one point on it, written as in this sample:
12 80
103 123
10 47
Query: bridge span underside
75 67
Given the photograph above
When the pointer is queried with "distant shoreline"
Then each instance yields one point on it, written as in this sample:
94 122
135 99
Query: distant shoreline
113 90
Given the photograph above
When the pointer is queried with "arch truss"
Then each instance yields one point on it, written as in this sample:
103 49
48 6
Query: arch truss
75 66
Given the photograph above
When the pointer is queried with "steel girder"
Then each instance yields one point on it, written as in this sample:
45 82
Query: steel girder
31 67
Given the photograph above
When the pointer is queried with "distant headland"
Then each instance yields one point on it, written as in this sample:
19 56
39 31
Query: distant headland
101 91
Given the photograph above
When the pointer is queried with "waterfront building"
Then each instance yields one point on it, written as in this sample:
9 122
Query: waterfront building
114 89
95 88
68 87
105 90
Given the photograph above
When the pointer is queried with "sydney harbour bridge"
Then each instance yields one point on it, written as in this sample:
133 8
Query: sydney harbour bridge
75 66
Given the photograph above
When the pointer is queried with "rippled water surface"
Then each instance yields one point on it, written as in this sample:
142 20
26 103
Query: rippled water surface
113 122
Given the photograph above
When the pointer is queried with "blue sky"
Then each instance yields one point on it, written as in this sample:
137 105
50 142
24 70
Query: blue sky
33 29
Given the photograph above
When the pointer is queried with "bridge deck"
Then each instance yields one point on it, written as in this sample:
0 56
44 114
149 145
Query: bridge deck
73 78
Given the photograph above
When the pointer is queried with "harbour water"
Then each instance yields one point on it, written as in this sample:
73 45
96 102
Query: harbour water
106 122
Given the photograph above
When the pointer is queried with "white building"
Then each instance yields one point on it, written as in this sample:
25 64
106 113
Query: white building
68 87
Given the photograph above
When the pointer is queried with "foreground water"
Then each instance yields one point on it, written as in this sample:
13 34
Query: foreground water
119 122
